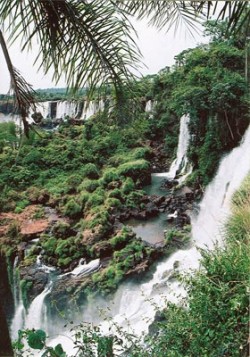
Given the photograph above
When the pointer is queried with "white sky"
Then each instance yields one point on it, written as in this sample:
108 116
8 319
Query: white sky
158 49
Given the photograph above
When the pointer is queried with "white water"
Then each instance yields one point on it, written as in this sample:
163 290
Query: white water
149 106
5 118
181 161
36 316
66 108
84 269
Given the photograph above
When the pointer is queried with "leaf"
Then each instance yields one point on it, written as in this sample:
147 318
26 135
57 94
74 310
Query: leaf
36 339
59 351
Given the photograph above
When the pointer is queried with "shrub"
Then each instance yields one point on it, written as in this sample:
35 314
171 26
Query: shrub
133 168
112 203
115 193
128 186
89 185
90 170
20 205
95 199
72 209
110 175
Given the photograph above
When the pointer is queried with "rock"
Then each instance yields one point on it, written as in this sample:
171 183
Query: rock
32 228
158 200
102 249
37 277
186 193
139 268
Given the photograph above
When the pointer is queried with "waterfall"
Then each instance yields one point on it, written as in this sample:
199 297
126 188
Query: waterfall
66 108
133 305
149 106
36 316
44 108
84 269
181 162
91 108
19 316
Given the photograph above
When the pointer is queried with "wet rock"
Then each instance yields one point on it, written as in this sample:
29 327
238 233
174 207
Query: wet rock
102 249
139 268
37 277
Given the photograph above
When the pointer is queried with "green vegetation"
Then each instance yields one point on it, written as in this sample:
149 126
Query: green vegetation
208 84
213 321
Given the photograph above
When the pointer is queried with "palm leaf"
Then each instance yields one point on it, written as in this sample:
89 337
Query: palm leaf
85 40
162 13
24 95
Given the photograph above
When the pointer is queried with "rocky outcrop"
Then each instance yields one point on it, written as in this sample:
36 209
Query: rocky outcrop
36 278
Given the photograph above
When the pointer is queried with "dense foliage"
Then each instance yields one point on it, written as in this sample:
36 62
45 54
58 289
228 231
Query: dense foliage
208 84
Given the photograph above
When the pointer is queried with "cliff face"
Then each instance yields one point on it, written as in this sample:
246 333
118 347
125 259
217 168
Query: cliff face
6 310
6 297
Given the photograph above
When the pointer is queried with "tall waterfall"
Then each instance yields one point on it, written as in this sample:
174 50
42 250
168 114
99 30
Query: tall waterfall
179 165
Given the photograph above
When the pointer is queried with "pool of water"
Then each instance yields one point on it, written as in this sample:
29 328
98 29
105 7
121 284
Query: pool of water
151 230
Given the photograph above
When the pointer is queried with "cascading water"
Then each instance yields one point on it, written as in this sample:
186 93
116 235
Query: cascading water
181 162
214 209
66 108
149 106
133 306
36 316
136 302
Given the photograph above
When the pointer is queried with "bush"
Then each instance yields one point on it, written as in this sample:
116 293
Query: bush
89 185
112 203
90 170
128 186
110 175
72 209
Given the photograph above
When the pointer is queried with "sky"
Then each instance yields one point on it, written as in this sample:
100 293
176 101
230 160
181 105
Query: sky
158 49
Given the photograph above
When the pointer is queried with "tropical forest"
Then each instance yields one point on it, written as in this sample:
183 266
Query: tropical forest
125 199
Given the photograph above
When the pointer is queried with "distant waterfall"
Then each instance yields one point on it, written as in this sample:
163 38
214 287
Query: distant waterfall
180 164
149 105
66 108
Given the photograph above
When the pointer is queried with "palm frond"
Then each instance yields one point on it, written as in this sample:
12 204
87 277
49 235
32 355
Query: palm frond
88 41
24 95
162 13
